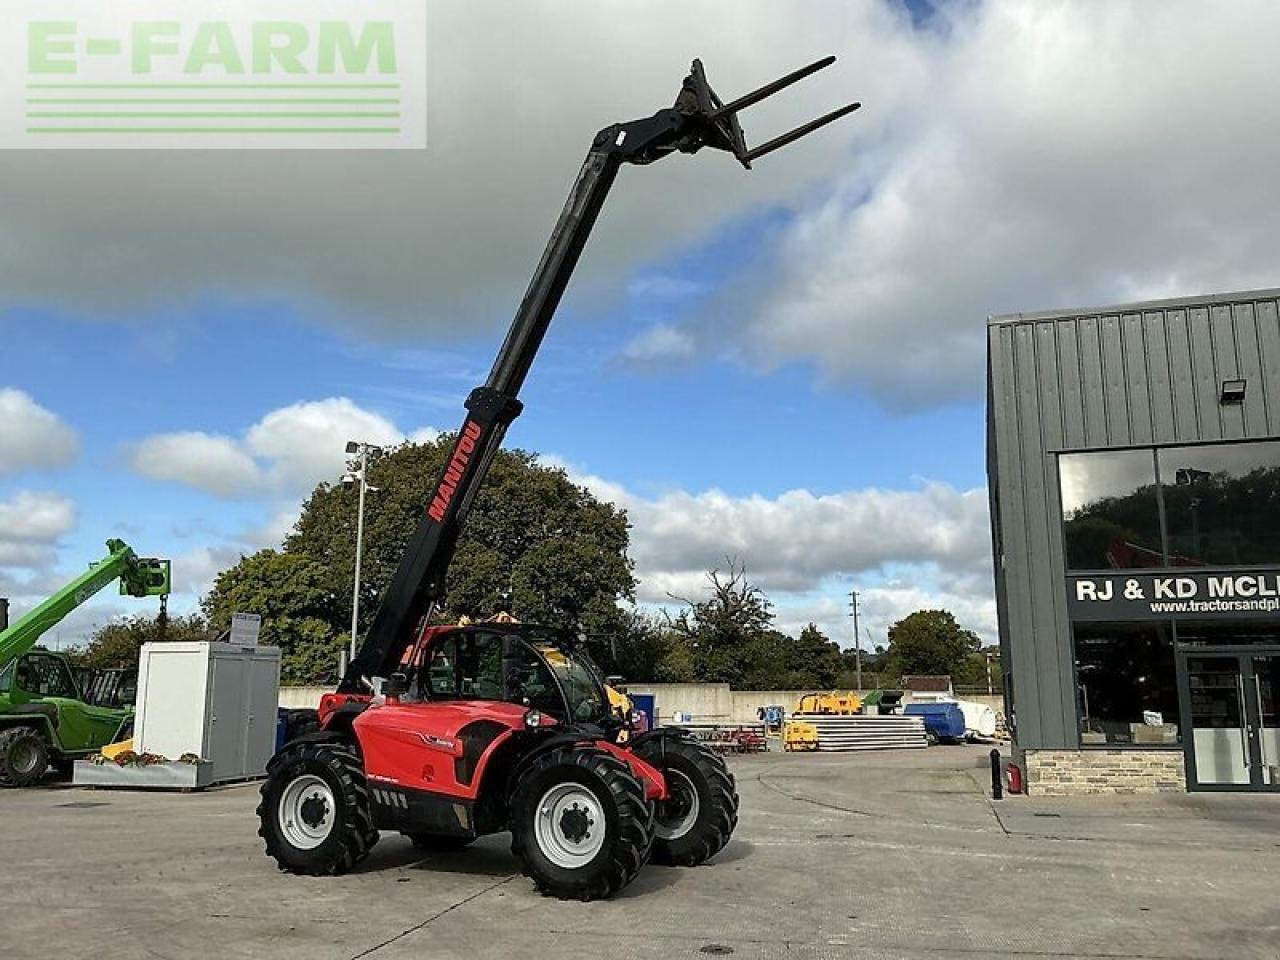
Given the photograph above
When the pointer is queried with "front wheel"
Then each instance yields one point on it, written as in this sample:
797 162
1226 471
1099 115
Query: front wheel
314 814
695 822
580 824
24 757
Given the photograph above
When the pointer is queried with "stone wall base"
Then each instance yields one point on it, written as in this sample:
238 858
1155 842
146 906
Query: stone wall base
1069 773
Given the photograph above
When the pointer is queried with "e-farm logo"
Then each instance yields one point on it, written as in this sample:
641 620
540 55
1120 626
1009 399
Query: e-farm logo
216 73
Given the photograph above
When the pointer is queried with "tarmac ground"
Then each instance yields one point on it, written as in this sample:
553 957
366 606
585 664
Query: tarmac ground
884 855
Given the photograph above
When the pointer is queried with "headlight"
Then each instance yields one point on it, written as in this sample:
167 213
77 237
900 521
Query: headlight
533 719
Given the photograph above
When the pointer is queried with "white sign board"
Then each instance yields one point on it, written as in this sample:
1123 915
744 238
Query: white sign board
245 628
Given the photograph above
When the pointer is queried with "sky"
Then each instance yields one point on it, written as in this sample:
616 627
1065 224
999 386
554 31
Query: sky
785 366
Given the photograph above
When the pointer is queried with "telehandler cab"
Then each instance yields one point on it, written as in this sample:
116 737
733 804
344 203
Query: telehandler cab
446 733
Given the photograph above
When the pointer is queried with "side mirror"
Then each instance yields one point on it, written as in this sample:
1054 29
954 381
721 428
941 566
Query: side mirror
395 686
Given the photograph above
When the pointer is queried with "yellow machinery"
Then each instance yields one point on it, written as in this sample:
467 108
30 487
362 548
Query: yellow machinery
830 704
799 736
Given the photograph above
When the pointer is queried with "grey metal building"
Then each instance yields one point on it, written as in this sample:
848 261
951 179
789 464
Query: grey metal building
1134 468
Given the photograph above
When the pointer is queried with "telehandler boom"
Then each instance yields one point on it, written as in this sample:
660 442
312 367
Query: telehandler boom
699 118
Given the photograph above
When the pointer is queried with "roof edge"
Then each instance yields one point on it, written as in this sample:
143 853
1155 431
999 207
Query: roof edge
1136 306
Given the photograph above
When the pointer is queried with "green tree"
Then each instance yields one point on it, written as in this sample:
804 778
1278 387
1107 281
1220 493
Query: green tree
814 660
533 536
973 672
119 643
929 642
729 635
642 650
300 611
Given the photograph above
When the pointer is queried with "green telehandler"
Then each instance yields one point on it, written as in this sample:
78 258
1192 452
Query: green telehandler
51 713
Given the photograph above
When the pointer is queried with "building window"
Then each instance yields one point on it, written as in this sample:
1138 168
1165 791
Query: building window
1126 684
1110 510
1222 503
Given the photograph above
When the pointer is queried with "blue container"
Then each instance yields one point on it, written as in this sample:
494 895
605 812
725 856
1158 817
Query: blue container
944 720
645 703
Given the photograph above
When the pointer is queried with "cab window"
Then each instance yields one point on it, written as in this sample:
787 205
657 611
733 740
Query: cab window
45 676
464 666
530 682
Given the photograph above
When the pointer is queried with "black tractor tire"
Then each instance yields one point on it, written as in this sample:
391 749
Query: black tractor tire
314 815
438 842
24 756
697 821
558 801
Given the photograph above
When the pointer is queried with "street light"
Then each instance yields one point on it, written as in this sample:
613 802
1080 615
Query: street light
359 475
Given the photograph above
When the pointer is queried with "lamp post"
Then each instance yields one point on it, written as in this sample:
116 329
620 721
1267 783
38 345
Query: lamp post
360 476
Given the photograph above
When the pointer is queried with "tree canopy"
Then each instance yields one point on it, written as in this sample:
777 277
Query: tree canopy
118 644
534 537
929 642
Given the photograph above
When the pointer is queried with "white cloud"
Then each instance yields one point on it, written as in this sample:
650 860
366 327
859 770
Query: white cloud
884 602
928 546
32 437
658 346
445 237
31 524
792 542
284 454
214 464
1019 154
305 442
1046 154
195 571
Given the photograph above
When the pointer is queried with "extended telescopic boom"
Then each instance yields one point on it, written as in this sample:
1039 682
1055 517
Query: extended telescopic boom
698 119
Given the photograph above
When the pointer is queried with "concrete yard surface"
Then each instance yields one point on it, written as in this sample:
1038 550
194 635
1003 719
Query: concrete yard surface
875 855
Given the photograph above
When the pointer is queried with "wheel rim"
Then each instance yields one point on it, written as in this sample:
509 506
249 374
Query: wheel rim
675 817
569 825
307 812
24 758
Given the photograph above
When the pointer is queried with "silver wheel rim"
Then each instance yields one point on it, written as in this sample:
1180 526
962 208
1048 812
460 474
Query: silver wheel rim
307 812
24 758
569 825
674 827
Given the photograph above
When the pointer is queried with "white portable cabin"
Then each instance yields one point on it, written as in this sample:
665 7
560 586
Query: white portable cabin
214 700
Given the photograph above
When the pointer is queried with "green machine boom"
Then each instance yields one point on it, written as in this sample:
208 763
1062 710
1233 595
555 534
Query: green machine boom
44 716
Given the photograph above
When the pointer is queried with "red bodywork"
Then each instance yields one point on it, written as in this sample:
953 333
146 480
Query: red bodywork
415 745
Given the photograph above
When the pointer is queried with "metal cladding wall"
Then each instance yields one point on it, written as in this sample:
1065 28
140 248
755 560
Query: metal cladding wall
1133 375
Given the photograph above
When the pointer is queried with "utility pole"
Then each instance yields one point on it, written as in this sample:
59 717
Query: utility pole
857 637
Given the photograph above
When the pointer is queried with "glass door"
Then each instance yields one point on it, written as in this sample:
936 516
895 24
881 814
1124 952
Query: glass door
1265 706
1219 728
1234 710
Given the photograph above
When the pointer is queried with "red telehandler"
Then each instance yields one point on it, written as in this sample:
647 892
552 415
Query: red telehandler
446 733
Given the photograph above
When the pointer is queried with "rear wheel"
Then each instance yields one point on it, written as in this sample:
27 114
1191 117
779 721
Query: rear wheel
580 824
314 814
24 757
699 816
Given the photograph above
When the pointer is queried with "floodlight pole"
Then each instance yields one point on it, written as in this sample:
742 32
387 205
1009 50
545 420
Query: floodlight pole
355 589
